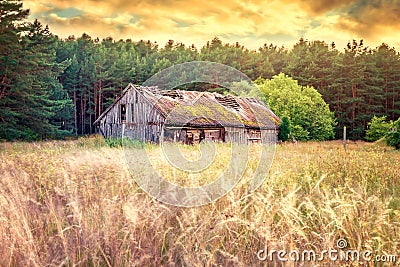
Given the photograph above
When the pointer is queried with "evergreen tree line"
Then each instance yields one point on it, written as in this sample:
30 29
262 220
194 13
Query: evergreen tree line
52 87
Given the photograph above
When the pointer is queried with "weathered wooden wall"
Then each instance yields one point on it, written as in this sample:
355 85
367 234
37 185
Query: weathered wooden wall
227 134
269 136
191 135
142 120
236 135
246 136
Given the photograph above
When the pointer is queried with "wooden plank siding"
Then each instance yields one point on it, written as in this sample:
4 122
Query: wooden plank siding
142 121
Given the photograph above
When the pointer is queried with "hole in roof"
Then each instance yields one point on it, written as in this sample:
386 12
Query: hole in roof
172 93
228 101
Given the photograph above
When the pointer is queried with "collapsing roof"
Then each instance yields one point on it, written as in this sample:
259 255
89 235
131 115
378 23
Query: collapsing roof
193 108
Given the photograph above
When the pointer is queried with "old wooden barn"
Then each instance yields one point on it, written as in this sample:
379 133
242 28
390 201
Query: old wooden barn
149 114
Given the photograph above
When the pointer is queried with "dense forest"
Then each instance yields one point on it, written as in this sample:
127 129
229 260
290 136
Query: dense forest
52 87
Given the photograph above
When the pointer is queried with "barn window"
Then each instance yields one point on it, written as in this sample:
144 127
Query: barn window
123 113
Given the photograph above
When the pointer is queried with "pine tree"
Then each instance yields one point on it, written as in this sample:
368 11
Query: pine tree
11 28
31 97
41 47
387 62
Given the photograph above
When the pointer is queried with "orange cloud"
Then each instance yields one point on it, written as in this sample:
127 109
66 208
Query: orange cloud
318 7
251 22
374 19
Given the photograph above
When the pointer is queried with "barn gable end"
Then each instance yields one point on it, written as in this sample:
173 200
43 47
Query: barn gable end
134 114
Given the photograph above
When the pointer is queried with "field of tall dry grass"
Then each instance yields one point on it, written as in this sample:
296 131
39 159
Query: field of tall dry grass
74 203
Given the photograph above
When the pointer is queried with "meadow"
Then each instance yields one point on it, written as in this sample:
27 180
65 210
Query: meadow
74 203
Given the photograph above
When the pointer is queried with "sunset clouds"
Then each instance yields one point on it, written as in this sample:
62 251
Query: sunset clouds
251 23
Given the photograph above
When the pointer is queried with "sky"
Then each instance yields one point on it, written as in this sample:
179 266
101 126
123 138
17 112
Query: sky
252 23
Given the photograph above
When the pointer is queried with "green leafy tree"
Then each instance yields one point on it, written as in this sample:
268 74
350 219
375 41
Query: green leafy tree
393 136
378 127
309 115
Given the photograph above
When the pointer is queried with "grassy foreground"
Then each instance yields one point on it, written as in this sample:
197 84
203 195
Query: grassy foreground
73 203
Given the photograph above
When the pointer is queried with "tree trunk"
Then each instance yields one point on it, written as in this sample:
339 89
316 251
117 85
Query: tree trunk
393 105
99 102
90 113
95 99
82 114
75 112
386 92
354 95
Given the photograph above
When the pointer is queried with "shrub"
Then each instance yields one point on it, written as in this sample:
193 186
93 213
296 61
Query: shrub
124 142
284 130
114 142
393 136
377 128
